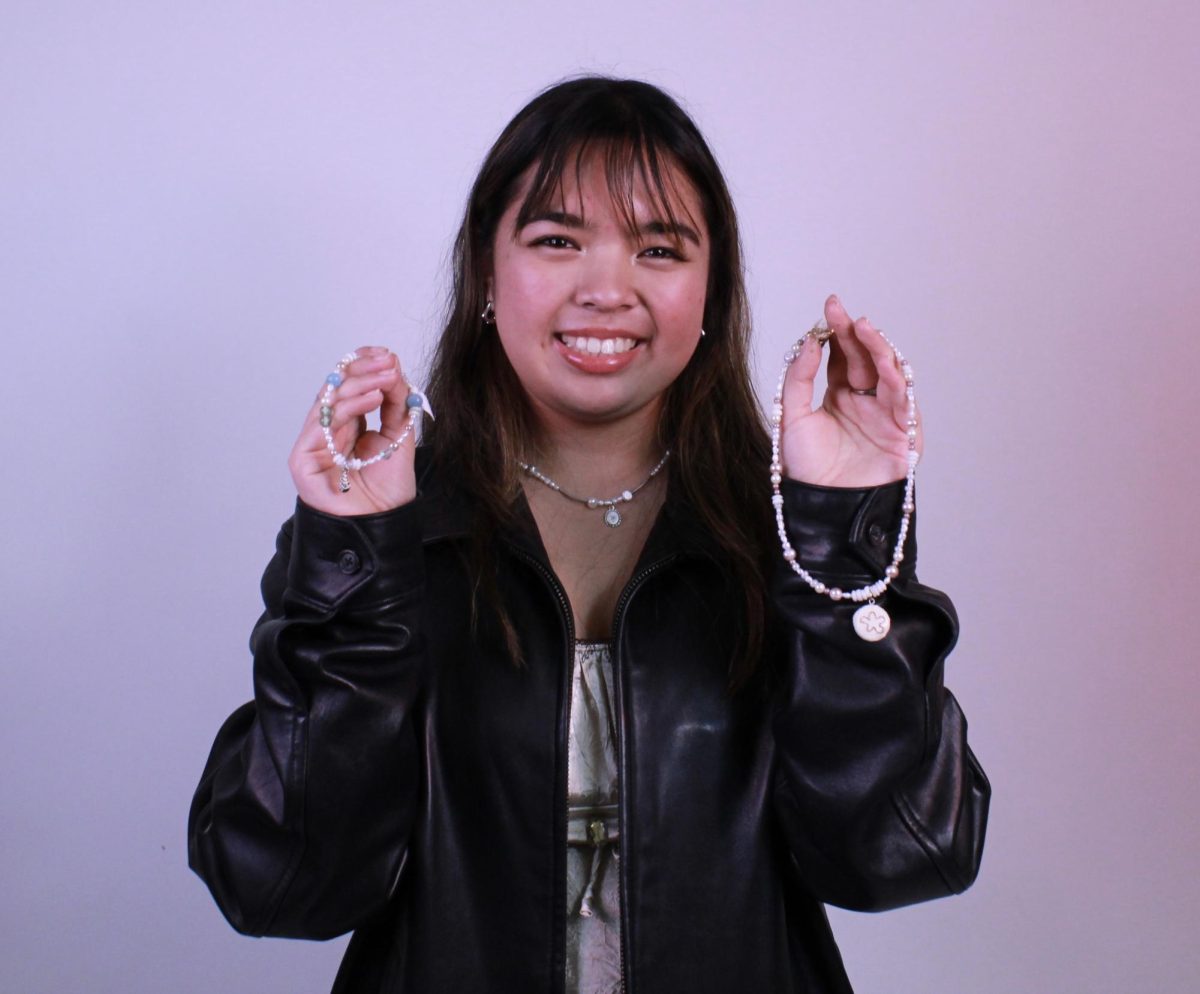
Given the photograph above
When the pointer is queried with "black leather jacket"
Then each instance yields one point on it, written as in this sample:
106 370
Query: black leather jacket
397 776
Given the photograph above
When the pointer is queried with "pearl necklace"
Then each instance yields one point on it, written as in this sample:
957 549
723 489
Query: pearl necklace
871 622
416 403
612 517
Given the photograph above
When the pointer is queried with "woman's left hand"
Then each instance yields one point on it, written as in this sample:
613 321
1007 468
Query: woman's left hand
852 439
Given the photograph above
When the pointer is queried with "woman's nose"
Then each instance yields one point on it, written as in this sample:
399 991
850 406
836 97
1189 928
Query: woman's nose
605 279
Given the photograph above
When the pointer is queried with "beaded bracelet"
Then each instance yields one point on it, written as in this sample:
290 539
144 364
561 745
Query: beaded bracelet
416 402
871 622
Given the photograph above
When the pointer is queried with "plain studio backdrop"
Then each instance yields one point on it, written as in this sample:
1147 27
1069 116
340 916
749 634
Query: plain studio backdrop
203 205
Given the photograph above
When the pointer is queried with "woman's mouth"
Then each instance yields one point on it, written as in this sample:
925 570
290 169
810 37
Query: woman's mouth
587 345
591 354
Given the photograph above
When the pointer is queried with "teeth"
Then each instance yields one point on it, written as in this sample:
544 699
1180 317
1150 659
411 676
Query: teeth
598 346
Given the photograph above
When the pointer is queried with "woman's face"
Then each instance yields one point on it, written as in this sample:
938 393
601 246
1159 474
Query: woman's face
598 320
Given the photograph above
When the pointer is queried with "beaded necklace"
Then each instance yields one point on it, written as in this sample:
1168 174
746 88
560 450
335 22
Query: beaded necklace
871 622
612 517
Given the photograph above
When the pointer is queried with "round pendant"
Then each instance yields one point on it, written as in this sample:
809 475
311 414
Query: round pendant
871 622
612 517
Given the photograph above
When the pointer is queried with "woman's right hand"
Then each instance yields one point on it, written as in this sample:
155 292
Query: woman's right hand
373 381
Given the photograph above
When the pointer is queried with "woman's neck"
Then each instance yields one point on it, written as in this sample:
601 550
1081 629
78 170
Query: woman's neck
598 460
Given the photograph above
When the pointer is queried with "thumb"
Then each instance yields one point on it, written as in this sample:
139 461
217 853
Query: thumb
798 384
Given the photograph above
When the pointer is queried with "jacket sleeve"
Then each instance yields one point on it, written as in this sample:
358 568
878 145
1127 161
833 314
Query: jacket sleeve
301 820
880 798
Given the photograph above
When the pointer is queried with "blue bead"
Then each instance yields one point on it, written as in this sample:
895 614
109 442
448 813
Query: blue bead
413 400
334 379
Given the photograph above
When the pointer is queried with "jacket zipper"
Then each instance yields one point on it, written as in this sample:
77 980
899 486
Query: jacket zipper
623 753
562 731
564 717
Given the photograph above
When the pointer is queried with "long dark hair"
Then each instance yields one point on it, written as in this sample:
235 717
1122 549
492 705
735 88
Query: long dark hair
711 419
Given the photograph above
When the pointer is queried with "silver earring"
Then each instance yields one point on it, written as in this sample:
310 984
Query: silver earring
489 313
703 332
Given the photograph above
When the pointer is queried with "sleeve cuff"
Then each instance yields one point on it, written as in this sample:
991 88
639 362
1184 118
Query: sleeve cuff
847 531
368 559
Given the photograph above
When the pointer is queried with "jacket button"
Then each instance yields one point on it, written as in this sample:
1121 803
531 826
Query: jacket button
877 534
348 562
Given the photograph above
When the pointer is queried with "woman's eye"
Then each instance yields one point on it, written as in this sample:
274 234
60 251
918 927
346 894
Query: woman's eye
554 241
661 252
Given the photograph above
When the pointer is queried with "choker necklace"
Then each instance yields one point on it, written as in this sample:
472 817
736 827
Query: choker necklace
612 517
871 622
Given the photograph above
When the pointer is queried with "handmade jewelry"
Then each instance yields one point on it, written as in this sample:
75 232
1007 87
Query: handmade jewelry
871 622
416 402
612 517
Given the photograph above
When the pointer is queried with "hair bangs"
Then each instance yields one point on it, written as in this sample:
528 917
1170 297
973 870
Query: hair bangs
635 168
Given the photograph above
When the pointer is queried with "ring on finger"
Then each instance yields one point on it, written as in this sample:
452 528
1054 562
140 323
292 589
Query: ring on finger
868 392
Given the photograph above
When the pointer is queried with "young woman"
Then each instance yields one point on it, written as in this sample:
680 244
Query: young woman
544 706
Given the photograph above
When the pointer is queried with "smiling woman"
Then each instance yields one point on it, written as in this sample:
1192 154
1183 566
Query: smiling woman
541 707
588 291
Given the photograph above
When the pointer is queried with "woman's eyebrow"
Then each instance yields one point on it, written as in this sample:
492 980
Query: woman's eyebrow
556 217
673 230
676 230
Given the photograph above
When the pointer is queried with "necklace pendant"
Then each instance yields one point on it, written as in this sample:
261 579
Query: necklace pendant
344 482
612 517
871 622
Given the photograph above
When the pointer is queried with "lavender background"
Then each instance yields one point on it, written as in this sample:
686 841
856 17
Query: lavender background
203 204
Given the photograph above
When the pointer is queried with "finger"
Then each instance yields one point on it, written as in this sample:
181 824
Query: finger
798 385
890 385
379 379
371 358
850 365
373 370
394 413
348 410
839 322
836 315
344 405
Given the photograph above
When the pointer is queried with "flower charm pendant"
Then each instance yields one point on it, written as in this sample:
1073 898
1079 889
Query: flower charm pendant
612 517
871 622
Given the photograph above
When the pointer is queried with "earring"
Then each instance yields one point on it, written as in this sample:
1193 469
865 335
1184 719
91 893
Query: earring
489 313
703 332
